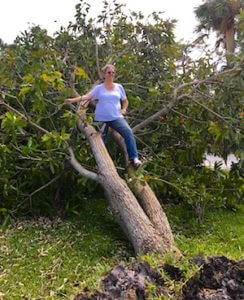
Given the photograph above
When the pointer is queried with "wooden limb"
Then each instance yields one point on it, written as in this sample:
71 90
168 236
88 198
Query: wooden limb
136 85
124 205
80 169
147 199
152 208
9 107
45 185
98 148
187 117
155 116
113 59
29 158
73 161
97 56
121 144
210 110
143 133
175 99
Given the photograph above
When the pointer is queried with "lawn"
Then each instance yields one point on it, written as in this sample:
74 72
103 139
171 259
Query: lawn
56 259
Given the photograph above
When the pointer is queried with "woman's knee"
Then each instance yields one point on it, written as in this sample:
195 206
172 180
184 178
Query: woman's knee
127 132
127 129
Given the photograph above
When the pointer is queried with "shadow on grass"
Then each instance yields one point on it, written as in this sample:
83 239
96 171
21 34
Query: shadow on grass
184 220
96 221
220 232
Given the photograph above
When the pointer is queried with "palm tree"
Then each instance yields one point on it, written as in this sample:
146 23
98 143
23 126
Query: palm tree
219 16
2 44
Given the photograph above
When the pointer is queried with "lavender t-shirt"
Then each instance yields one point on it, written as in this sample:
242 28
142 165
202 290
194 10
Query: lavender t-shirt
108 106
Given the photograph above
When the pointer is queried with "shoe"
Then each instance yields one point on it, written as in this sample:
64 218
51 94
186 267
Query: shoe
136 162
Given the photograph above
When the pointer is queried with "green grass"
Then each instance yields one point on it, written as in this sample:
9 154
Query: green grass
220 233
57 260
40 259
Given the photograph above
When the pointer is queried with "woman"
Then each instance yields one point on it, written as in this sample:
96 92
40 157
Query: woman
111 108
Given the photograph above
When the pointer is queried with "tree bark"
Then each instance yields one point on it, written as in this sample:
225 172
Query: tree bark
145 235
130 215
152 208
229 42
136 208
145 225
145 196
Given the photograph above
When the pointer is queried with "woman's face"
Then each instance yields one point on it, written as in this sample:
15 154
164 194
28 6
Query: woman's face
109 74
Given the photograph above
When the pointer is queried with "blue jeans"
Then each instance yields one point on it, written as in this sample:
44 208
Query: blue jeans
122 127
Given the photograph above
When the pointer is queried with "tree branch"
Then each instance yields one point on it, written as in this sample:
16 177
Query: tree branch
78 167
136 85
97 56
45 185
121 144
9 107
177 98
155 116
187 117
209 109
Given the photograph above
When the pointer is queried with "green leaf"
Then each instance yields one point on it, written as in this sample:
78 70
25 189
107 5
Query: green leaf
46 137
80 72
47 78
24 90
154 92
29 142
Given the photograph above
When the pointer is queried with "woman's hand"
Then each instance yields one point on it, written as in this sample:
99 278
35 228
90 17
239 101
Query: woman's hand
73 100
68 100
123 111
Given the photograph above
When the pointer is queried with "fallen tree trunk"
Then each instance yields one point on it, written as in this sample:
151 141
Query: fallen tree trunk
145 196
146 232
145 225
135 207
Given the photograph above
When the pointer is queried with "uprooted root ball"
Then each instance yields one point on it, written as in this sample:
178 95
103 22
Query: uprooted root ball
219 279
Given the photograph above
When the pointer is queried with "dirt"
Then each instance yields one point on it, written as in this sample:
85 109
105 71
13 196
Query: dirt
219 278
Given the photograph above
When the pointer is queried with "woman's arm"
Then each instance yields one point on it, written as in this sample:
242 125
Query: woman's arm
124 106
86 97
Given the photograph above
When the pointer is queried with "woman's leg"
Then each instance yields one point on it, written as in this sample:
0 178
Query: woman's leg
104 131
121 126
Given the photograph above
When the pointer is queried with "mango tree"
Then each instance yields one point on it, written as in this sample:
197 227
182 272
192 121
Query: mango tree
40 135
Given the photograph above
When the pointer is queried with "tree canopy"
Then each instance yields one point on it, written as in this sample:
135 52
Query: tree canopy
220 16
179 109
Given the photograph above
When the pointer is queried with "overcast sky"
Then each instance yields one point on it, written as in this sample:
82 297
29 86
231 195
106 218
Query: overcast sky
17 15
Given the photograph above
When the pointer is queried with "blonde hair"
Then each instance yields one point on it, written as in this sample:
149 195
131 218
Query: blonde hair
102 74
104 70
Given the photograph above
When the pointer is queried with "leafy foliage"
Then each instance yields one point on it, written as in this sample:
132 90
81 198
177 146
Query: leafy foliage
37 73
217 14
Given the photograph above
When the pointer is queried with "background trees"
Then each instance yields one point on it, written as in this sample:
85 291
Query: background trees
38 71
220 16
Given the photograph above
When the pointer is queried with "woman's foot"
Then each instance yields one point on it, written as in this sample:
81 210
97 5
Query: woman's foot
136 162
